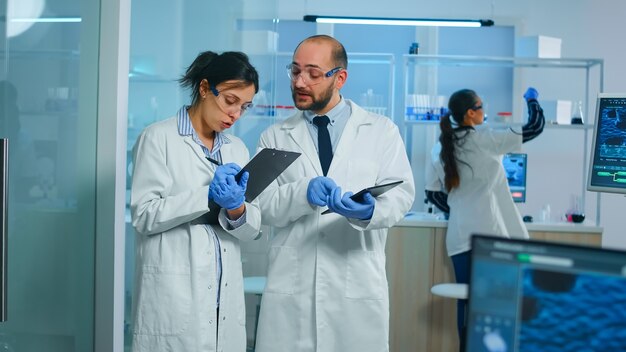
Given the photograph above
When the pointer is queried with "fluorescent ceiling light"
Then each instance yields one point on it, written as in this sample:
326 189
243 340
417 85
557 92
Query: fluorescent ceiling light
48 20
398 21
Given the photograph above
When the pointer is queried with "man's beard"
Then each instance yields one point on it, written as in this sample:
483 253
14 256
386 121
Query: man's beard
316 104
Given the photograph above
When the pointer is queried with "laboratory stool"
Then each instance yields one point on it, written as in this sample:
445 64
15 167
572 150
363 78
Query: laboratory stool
456 291
255 285
450 290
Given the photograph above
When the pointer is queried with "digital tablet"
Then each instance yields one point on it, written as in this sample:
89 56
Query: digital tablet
375 191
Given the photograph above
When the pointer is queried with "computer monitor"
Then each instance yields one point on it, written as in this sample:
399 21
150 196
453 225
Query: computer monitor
515 168
607 168
545 296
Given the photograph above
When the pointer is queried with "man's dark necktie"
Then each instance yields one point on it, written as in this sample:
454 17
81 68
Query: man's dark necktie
323 142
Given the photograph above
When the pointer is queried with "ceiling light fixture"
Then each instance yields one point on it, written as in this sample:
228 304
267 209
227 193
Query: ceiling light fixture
398 21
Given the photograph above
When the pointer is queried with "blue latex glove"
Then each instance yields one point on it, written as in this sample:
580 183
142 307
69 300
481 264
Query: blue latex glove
345 206
319 189
531 93
224 190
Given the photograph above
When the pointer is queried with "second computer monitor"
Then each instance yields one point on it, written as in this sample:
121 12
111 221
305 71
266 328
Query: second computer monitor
515 168
607 169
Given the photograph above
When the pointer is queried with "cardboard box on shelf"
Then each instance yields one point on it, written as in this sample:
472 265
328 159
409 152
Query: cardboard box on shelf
538 46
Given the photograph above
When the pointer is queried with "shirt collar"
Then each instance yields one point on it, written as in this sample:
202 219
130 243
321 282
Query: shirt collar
186 129
332 113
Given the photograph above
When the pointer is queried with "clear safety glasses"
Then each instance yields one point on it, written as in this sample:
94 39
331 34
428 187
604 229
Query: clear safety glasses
229 104
309 75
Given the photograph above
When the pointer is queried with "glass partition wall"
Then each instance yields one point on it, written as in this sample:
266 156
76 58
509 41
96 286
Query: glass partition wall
48 113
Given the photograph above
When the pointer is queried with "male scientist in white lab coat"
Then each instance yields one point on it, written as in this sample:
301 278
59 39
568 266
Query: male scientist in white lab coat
327 287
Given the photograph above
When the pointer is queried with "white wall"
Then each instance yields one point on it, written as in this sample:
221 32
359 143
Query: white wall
588 29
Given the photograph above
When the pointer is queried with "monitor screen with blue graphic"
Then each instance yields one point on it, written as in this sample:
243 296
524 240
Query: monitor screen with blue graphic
545 296
607 168
515 169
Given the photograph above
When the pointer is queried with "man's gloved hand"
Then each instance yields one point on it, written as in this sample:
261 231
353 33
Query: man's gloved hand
531 93
319 189
347 207
224 190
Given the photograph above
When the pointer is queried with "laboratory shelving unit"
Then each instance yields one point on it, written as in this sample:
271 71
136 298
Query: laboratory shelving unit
421 76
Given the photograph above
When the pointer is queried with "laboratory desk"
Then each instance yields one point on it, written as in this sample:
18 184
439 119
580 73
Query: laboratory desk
417 260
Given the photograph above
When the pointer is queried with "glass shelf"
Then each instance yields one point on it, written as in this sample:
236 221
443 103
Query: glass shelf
504 124
474 61
150 79
547 125
357 58
569 127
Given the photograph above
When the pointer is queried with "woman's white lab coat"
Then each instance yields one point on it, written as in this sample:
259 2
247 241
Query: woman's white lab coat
327 287
175 277
482 203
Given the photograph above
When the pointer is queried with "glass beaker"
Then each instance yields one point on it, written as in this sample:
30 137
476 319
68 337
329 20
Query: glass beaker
577 114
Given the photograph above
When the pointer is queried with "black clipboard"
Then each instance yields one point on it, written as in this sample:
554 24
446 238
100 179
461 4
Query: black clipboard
264 168
374 190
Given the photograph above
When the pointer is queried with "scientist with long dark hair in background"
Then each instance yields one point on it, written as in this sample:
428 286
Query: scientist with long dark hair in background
467 179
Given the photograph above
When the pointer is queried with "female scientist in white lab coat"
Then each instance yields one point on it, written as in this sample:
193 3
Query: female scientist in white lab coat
467 180
188 279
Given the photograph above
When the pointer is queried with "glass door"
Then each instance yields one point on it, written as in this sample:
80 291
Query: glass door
48 111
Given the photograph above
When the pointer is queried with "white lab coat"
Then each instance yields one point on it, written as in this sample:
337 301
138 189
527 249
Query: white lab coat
327 288
175 294
482 203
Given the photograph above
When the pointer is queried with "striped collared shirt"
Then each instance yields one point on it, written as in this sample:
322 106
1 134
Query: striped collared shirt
186 129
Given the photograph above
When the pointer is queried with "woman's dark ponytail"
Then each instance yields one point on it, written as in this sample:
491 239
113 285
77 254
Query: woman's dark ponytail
446 138
460 101
195 74
218 68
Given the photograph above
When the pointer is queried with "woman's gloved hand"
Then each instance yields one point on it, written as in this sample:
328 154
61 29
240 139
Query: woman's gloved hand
344 205
224 190
319 189
531 93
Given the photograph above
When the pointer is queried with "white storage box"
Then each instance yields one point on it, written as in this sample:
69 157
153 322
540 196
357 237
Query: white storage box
538 46
557 111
